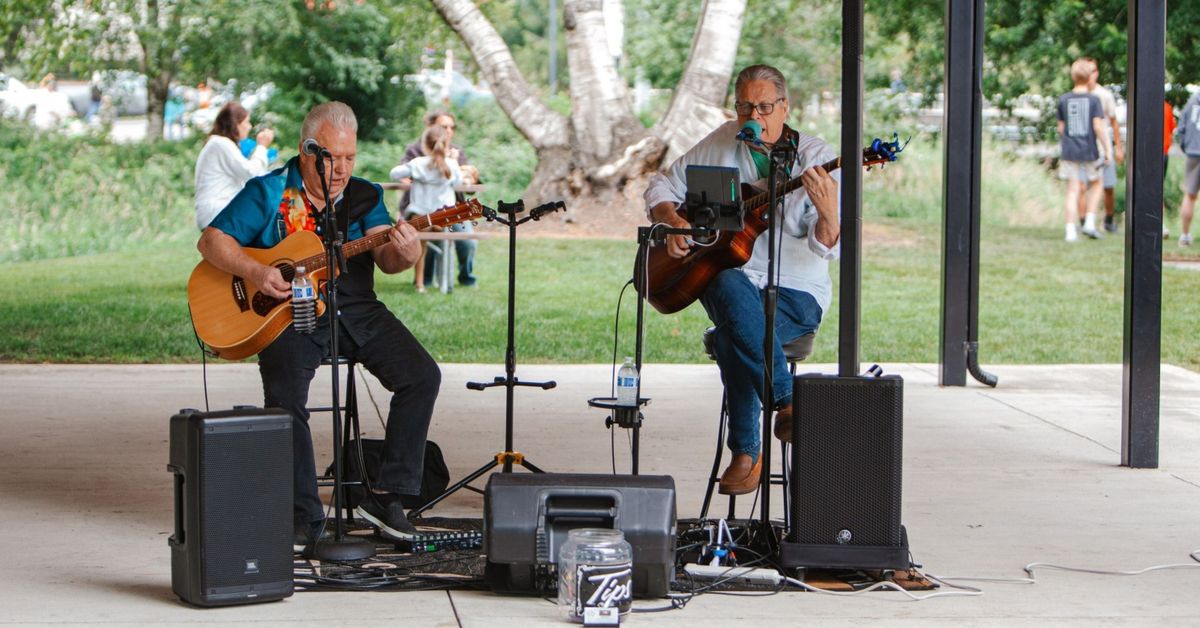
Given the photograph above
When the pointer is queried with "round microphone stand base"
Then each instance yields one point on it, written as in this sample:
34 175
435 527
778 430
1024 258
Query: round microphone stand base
343 549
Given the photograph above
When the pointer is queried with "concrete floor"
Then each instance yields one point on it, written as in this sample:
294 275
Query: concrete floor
993 479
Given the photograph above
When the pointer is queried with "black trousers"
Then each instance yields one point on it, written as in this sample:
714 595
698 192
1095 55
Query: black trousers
403 367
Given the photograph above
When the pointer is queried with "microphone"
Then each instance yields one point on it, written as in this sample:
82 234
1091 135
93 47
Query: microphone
750 132
311 147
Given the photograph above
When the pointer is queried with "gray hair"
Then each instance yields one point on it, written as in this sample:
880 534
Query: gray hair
334 113
762 73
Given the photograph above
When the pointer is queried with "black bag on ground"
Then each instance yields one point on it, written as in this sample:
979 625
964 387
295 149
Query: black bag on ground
434 479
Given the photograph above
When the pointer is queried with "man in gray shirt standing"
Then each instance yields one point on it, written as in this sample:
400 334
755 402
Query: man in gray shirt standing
1080 124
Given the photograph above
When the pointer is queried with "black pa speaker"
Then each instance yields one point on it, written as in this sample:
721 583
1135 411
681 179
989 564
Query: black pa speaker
526 518
233 506
847 446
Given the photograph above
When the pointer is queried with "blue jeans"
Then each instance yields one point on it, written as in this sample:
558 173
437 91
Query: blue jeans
735 306
463 249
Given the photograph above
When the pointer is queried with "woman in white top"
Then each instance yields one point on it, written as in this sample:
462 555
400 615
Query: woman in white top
221 170
434 176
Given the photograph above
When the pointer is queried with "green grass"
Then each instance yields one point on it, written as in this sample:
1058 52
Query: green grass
1042 301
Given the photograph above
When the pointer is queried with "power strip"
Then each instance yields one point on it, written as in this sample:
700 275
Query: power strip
733 574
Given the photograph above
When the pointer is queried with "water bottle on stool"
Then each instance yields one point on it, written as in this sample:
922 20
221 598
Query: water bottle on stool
304 302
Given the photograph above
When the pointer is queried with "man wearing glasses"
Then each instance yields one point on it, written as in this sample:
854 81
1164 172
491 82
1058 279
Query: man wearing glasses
734 298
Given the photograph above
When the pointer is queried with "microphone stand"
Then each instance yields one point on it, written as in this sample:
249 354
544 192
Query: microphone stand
509 381
341 547
781 155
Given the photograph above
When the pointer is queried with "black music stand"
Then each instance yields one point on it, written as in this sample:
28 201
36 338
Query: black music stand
509 381
341 547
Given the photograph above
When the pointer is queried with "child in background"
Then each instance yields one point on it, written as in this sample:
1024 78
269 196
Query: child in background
434 176
1080 123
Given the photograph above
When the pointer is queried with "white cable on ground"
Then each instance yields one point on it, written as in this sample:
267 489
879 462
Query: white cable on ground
964 592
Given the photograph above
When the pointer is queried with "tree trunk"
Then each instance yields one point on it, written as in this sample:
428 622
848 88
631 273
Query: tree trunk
696 106
589 158
157 90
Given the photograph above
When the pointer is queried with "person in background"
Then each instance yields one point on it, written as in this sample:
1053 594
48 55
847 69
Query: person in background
1080 127
433 176
1187 135
1168 131
1110 141
463 249
221 170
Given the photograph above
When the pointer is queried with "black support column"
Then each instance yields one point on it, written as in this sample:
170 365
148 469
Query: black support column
852 101
1141 343
960 192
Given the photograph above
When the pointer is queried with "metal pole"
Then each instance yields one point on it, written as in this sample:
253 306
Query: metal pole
960 207
851 220
1141 343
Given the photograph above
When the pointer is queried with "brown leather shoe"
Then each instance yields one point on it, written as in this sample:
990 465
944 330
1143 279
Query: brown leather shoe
783 424
741 476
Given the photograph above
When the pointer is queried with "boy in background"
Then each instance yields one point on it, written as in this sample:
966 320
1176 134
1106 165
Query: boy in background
1080 125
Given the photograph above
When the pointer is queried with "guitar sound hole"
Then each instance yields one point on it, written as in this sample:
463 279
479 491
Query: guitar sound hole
263 304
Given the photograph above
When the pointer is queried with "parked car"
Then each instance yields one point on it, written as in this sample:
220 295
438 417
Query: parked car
454 89
127 90
40 107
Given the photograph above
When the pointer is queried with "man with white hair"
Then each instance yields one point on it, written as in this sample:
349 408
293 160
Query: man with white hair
267 210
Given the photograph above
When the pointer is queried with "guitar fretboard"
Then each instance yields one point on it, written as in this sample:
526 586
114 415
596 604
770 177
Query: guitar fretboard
760 200
364 244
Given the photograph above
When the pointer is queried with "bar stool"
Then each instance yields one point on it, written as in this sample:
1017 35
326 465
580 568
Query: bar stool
350 428
795 352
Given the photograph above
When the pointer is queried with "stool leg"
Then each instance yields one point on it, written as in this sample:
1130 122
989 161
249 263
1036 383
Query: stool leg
713 478
350 429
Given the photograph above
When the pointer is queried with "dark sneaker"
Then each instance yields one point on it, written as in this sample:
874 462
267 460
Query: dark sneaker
388 518
307 534
1110 227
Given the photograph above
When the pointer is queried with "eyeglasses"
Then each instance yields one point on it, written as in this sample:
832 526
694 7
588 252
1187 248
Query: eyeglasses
763 108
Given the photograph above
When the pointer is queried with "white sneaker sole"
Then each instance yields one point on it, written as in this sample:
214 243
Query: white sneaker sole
385 530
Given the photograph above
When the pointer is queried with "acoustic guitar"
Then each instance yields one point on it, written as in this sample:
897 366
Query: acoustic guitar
236 320
674 283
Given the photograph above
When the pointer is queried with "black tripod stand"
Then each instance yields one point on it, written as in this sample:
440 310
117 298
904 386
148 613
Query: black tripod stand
341 546
507 457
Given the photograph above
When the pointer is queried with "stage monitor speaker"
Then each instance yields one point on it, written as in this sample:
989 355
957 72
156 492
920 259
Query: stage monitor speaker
847 447
233 506
526 518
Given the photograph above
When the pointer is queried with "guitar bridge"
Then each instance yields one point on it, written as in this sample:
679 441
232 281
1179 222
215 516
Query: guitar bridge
239 293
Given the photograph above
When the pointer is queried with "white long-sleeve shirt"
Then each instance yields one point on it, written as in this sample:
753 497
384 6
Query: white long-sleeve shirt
430 190
221 172
804 261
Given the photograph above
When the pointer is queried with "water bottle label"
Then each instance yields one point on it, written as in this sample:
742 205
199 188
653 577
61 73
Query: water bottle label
302 292
626 381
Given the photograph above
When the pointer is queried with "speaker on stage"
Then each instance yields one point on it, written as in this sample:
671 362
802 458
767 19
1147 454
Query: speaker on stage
847 447
526 518
233 506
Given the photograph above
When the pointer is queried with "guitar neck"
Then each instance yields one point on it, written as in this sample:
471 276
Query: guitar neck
759 200
364 244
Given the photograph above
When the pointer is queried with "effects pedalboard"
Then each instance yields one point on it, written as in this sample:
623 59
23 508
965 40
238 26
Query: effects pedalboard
426 542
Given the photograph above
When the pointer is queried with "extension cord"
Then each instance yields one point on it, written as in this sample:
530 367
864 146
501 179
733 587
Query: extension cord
733 574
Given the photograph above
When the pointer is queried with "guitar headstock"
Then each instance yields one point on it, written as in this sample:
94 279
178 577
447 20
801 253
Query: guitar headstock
881 152
467 210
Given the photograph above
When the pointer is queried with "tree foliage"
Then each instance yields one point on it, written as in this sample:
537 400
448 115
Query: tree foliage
1030 44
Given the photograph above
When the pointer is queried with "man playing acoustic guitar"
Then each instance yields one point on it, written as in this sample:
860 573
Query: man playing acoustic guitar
734 297
267 210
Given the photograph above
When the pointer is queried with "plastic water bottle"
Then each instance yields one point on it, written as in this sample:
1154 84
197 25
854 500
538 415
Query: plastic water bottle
627 384
304 302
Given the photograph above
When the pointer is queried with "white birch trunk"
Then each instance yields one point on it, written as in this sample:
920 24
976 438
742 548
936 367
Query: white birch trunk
697 107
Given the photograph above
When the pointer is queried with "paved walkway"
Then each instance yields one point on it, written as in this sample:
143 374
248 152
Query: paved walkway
993 479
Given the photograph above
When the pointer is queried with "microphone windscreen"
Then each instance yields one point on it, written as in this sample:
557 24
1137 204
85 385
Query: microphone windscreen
750 131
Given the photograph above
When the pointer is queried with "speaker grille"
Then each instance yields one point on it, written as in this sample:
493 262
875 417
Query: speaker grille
846 460
245 506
